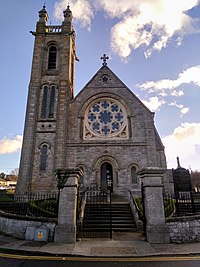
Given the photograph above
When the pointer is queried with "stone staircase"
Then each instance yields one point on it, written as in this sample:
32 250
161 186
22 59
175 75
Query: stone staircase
99 216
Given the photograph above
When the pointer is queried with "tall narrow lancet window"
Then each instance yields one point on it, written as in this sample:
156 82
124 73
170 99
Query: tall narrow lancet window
43 157
52 57
134 175
44 102
52 101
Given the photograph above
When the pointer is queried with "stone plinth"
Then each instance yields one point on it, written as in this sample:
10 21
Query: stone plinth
156 230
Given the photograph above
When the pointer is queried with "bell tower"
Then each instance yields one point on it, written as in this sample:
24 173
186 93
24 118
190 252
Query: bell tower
51 89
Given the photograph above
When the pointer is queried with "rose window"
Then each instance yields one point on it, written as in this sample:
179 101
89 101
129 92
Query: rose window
105 118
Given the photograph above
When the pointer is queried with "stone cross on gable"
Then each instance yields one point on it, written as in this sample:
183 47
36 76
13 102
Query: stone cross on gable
104 58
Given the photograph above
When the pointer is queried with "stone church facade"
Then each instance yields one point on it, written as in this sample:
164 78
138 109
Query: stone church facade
105 130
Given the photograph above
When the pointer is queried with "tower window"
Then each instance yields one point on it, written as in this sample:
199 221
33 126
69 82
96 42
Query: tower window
44 102
43 158
48 101
52 57
52 101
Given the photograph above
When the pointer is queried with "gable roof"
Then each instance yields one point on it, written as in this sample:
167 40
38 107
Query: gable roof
106 78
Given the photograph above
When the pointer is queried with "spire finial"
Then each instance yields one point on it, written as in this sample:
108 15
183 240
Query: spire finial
178 162
104 58
67 13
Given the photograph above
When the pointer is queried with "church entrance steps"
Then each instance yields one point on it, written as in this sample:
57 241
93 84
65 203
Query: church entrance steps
97 220
119 199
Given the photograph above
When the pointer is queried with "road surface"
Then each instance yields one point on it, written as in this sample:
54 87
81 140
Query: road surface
9 260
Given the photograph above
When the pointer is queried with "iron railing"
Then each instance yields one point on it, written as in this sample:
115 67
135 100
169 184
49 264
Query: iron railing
31 204
187 203
182 203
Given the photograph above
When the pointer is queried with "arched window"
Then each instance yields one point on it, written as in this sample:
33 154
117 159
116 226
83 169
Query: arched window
52 101
133 175
52 57
107 176
43 157
44 102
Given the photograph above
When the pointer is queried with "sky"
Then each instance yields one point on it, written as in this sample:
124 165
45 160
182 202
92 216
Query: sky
153 47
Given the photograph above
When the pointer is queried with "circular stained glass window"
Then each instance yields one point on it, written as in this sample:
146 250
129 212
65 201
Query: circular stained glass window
105 117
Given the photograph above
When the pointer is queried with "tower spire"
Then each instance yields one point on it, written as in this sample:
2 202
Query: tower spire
67 22
67 14
43 15
178 163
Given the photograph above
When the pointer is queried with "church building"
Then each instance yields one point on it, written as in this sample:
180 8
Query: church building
105 130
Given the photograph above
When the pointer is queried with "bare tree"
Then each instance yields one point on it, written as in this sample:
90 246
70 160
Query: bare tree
195 178
15 172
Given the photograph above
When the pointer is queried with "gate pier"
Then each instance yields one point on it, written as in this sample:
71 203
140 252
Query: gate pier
156 230
65 231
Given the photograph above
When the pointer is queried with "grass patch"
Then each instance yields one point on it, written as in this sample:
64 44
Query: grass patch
6 197
46 207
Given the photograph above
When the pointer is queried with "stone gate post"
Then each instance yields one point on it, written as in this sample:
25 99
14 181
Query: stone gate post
65 231
156 230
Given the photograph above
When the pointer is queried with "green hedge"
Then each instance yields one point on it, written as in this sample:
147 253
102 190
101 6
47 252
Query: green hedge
168 205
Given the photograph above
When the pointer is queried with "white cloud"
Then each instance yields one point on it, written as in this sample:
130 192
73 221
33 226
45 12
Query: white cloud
190 75
146 23
115 8
167 87
143 20
154 103
182 108
185 143
8 146
177 93
127 35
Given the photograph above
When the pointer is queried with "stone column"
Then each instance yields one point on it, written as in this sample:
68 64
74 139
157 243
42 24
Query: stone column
65 231
156 230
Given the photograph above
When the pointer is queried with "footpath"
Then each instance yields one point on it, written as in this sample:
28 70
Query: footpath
122 245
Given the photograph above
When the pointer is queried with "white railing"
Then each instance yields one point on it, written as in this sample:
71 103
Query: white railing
51 29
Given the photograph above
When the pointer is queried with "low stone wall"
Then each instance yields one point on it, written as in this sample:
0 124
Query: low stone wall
184 229
16 225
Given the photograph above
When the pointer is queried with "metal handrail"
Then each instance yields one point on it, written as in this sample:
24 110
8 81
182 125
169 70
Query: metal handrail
135 210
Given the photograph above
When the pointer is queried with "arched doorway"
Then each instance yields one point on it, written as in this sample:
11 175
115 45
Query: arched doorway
107 176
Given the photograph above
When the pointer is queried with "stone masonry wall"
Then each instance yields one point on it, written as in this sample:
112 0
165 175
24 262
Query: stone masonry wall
17 227
184 229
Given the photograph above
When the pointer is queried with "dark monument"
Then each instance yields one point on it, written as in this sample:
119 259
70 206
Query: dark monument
182 180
